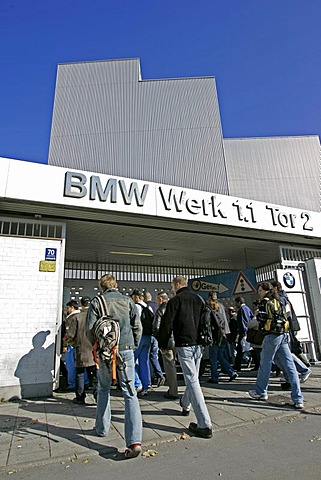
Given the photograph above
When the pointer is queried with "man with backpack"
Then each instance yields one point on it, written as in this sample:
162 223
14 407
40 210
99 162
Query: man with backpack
123 309
142 353
155 367
272 319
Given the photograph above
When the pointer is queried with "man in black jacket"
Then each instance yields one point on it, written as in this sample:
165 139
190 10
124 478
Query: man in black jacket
182 317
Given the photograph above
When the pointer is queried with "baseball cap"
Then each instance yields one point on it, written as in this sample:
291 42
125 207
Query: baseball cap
137 292
85 301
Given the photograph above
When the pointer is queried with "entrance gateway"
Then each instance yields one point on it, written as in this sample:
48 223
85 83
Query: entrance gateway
61 228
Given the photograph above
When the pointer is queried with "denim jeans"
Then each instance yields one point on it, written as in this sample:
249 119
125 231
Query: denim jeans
219 353
70 366
299 365
277 347
154 361
133 418
81 380
190 360
142 362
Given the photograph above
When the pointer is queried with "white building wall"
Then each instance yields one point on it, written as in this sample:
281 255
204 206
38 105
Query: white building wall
283 170
30 302
107 119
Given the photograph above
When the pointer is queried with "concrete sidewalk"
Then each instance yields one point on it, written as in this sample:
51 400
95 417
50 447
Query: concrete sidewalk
56 430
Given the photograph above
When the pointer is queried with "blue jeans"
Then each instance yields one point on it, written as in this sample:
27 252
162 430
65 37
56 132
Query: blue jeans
154 361
81 380
277 347
133 418
142 367
70 366
299 365
190 360
219 353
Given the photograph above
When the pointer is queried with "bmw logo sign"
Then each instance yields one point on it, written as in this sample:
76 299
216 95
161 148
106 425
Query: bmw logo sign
289 280
196 285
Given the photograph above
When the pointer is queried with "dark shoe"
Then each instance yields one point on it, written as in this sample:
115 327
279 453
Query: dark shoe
62 390
171 397
233 377
286 386
78 401
160 382
200 432
142 393
185 413
212 381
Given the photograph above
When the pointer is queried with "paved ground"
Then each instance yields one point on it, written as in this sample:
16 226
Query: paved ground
54 429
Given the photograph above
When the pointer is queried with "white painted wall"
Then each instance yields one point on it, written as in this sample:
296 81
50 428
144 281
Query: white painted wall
30 305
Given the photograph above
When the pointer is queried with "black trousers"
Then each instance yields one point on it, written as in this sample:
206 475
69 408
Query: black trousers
239 355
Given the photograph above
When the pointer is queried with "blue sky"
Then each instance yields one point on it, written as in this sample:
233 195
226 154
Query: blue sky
264 54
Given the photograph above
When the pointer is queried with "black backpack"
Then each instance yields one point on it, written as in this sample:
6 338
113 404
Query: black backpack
147 319
218 331
205 335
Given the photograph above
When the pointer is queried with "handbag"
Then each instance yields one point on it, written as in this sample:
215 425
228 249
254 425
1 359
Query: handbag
254 336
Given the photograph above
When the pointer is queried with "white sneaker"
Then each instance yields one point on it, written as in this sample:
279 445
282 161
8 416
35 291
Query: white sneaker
305 376
298 406
258 396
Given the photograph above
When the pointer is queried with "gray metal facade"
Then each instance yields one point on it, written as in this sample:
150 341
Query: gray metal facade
107 120
281 170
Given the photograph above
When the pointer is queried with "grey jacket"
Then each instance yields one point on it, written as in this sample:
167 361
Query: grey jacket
124 309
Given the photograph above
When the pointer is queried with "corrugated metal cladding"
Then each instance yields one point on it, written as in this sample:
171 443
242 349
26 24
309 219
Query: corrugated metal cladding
167 131
281 170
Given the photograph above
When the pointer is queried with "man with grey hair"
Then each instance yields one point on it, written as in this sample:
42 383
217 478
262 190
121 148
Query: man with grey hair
122 308
182 317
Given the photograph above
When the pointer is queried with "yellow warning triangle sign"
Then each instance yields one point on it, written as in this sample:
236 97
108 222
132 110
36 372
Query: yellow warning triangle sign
242 285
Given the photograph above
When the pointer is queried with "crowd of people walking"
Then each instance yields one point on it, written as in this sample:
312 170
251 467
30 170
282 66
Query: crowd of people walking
157 337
